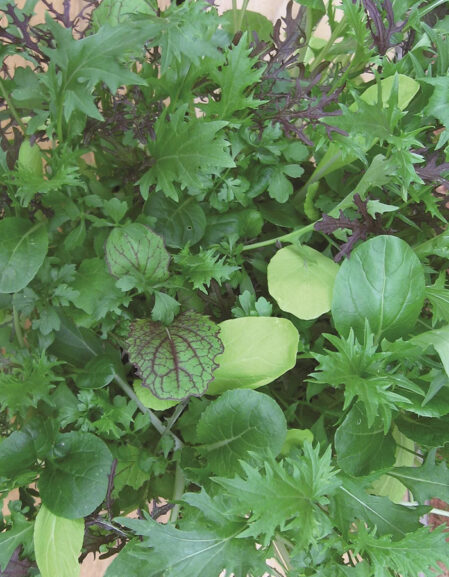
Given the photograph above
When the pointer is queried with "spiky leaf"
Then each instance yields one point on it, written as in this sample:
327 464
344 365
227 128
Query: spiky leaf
178 361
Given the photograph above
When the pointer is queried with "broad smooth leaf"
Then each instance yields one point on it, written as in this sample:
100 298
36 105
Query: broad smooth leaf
178 361
146 397
178 223
17 454
383 283
136 251
301 280
429 481
57 544
362 449
257 350
23 247
237 422
74 482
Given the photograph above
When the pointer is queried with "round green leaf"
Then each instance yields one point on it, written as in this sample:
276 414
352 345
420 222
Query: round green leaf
136 251
177 361
75 481
177 223
23 246
238 422
301 280
383 283
257 350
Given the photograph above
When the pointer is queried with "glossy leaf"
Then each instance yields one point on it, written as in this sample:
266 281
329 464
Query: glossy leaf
17 454
382 283
301 280
178 223
57 544
238 422
178 361
75 480
23 247
361 449
257 350
136 251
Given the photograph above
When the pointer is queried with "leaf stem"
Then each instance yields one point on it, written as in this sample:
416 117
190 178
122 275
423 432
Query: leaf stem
177 492
11 106
155 421
283 554
18 328
284 238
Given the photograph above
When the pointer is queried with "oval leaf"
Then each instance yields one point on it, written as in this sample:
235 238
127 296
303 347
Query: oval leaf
301 280
257 350
236 423
57 544
382 282
136 251
23 247
178 361
177 223
74 483
146 397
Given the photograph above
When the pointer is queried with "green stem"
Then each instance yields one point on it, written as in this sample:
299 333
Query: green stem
11 106
18 328
155 421
291 236
283 554
177 492
329 44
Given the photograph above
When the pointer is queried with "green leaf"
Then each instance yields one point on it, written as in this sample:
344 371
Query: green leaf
20 534
99 372
179 224
183 150
235 80
207 550
202 267
178 361
257 350
417 553
249 22
301 280
23 247
17 454
146 397
280 188
115 12
429 481
97 293
361 448
165 308
76 345
57 544
74 482
438 296
352 503
237 422
439 340
438 104
382 283
136 251
297 486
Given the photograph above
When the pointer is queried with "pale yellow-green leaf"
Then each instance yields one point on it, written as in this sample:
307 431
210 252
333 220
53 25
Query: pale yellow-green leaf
301 280
146 397
257 350
57 544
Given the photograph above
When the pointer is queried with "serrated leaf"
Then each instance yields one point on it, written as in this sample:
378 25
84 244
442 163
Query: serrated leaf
202 267
23 247
240 421
20 533
178 361
57 544
297 486
429 481
184 149
136 251
301 280
438 296
439 340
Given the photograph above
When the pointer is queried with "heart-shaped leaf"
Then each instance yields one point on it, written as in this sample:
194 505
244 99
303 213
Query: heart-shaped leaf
135 251
178 361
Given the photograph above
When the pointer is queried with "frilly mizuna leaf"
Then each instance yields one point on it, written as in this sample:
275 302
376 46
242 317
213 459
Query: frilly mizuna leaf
178 361
301 280
136 251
